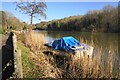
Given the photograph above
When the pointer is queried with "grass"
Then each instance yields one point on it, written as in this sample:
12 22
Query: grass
104 64
35 63
35 41
29 68
101 65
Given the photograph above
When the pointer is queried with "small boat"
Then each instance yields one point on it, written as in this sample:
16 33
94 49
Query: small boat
71 45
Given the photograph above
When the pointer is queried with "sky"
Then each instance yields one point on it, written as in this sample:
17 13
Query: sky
58 10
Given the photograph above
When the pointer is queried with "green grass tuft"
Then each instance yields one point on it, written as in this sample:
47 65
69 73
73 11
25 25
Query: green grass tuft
30 70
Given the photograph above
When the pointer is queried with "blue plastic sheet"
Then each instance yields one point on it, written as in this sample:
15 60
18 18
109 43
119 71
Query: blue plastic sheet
66 44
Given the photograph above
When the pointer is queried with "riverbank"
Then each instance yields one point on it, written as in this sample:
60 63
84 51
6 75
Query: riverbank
35 63
52 66
29 68
39 61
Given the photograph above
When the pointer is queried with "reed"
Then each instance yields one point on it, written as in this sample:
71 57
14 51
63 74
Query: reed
100 65
35 41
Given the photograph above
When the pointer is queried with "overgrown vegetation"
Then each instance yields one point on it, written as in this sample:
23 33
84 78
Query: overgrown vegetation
34 61
97 67
35 41
30 70
105 20
9 22
57 66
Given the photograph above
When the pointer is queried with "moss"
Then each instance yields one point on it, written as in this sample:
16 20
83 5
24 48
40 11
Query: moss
30 70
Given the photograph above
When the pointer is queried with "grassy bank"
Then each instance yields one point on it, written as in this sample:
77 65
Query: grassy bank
38 59
35 63
30 70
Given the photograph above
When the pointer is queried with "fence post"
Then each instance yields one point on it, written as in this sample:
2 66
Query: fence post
17 59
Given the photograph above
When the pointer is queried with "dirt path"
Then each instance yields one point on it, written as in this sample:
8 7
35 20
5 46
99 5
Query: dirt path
3 40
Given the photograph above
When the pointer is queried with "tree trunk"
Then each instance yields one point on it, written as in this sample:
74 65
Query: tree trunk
31 19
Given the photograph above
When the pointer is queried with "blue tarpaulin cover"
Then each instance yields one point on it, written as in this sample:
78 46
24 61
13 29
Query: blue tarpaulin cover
66 44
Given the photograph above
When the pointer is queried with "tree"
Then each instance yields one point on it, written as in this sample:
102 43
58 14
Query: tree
108 8
3 17
33 9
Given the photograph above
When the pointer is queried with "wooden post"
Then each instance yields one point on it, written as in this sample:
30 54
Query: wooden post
17 59
19 64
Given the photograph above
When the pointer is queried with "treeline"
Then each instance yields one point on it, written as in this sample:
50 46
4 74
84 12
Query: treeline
105 20
9 22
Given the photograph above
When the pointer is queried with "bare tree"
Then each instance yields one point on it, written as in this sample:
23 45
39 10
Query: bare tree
33 9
